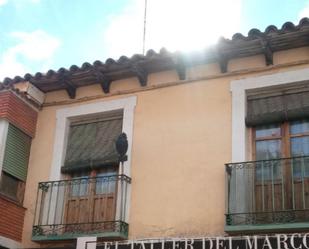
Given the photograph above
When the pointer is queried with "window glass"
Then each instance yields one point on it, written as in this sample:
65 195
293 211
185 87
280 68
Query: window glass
300 166
268 149
300 147
268 170
105 182
80 184
268 131
298 127
11 187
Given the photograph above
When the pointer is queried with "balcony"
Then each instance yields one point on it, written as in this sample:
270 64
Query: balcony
267 195
69 209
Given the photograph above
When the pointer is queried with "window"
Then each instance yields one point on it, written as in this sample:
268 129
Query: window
299 146
262 101
267 146
281 121
285 140
12 187
281 154
102 204
79 186
92 196
102 184
91 164
15 164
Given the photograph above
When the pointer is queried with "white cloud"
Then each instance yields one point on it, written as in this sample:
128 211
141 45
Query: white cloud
18 3
33 47
10 67
174 24
124 32
37 45
304 12
3 2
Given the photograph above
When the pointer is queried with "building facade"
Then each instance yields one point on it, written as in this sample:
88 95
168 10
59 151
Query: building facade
218 145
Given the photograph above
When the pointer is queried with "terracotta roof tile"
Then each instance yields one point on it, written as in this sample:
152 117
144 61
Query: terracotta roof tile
256 42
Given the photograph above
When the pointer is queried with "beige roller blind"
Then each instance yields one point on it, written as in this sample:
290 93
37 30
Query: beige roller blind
277 108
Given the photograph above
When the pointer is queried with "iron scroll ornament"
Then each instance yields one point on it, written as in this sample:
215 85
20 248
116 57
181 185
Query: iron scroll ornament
122 147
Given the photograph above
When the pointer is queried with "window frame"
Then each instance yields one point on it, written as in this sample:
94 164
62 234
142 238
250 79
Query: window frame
267 138
64 117
285 138
239 89
21 184
20 188
241 134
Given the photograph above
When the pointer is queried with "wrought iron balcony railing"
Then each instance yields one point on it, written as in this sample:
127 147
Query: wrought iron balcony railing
70 208
268 191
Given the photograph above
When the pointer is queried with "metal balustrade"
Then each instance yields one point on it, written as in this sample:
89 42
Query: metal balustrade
268 191
68 208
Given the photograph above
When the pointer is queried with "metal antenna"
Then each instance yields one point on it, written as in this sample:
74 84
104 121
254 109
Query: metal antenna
144 34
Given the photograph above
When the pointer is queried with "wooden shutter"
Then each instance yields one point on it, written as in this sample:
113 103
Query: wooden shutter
277 108
16 154
91 143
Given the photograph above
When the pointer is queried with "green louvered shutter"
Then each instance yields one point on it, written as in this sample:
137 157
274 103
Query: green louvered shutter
91 143
16 154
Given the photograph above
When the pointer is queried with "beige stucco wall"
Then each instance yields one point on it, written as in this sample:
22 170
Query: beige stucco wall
181 140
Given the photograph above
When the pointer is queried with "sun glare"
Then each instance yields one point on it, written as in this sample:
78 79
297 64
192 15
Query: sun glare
174 24
190 25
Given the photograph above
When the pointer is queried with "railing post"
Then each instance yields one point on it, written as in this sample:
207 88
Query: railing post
118 204
292 180
125 200
263 187
228 172
302 181
252 168
282 165
272 186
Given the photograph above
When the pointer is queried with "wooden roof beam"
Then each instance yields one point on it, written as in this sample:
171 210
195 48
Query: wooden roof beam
70 87
222 57
105 85
180 66
140 73
103 80
223 62
268 53
221 50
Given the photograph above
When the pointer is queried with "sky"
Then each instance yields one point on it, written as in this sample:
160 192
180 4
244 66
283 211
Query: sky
38 35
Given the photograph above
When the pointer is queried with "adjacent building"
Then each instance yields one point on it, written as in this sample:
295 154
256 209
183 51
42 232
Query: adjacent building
218 145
